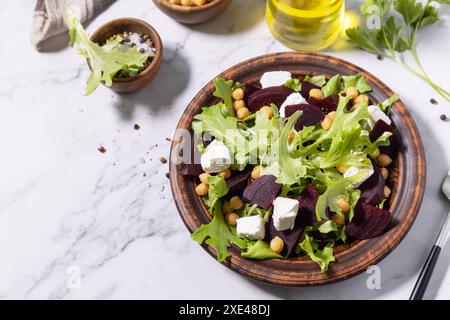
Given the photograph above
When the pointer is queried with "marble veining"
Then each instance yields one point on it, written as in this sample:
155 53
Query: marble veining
76 223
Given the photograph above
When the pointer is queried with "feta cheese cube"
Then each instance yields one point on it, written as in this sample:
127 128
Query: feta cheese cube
274 78
355 170
251 227
378 114
293 98
216 158
284 213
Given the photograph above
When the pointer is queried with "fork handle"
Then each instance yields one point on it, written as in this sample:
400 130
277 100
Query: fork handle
425 274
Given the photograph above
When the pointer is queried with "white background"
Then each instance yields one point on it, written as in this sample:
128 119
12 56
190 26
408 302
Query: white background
63 203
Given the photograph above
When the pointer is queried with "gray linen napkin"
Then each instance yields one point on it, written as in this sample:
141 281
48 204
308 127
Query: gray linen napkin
48 17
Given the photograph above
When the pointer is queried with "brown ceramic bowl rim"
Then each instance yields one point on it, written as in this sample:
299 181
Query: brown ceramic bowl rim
188 9
254 268
152 33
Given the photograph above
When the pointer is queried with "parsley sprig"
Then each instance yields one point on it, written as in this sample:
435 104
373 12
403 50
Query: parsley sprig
397 32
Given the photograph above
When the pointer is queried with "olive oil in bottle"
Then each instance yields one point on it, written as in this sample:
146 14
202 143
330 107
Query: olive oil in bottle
305 24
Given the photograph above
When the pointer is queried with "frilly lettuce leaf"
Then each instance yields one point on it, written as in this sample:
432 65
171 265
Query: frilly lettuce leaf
106 61
358 81
217 188
218 234
224 128
323 257
260 250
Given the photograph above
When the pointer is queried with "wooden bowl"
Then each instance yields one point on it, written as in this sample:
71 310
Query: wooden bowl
192 14
407 178
111 28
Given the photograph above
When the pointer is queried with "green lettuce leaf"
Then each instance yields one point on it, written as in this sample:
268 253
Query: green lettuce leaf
287 169
217 188
224 89
262 134
224 128
358 81
218 234
260 250
317 80
105 62
294 84
333 86
341 187
323 257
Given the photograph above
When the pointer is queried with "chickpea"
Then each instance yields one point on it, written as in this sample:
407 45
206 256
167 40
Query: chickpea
384 160
238 94
326 123
201 189
277 244
256 172
342 169
387 191
316 94
267 110
226 207
243 113
231 218
239 104
375 154
204 177
342 203
199 2
236 203
332 115
225 173
338 218
175 1
351 92
292 135
186 2
384 173
355 106
362 98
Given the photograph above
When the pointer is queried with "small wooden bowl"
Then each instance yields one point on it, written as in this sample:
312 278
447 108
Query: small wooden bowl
407 177
192 14
117 26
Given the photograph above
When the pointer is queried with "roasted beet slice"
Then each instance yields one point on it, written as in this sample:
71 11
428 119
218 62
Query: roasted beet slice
330 103
249 89
262 191
327 105
381 127
266 96
311 115
237 182
306 87
307 206
191 169
369 221
290 237
372 190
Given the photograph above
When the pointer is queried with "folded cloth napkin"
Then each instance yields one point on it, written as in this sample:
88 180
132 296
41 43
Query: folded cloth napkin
48 16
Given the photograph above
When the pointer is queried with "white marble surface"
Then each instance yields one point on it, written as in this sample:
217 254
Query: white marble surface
63 203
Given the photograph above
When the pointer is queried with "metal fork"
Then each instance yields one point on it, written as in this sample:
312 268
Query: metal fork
428 267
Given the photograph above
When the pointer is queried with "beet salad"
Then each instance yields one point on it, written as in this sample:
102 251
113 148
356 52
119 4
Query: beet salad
293 166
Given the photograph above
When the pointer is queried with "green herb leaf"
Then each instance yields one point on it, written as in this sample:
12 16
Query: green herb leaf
393 32
409 9
105 62
430 16
260 250
365 39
